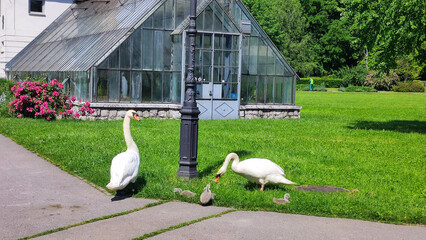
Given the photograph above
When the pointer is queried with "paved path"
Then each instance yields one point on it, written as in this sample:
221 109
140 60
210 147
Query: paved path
37 196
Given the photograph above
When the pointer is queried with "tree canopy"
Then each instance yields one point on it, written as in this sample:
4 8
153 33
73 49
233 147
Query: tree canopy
321 37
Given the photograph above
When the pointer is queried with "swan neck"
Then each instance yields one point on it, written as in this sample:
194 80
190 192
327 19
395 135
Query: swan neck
131 145
231 156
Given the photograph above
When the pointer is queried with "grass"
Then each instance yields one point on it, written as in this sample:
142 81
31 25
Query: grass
372 144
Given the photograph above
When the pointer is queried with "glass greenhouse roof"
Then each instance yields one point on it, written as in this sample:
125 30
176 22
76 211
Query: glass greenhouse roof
82 35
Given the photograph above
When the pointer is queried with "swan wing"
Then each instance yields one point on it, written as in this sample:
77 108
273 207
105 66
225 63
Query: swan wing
258 168
124 168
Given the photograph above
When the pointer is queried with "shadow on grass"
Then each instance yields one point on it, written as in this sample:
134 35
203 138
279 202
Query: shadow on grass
404 126
130 190
209 169
250 186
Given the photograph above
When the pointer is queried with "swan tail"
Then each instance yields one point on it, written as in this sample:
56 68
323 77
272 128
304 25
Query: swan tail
280 179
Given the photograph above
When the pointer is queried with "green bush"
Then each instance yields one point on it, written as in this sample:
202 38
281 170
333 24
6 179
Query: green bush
352 88
354 76
305 87
326 82
414 86
5 97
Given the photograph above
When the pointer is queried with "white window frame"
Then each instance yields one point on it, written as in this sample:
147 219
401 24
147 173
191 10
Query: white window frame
43 2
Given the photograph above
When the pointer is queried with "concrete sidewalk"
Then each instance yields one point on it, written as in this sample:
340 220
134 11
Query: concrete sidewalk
37 196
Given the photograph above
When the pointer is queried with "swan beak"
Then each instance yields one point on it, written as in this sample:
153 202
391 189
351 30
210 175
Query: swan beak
136 117
217 178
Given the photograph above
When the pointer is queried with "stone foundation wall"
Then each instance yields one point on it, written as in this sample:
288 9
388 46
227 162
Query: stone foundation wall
111 111
108 111
269 111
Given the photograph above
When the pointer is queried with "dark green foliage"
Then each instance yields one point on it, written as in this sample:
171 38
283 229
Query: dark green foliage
327 82
5 97
381 81
354 76
351 88
414 86
305 87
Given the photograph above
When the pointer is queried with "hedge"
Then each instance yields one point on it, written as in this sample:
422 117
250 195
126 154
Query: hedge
327 82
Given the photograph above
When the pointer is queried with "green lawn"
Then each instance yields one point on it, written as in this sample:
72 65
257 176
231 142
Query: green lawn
373 143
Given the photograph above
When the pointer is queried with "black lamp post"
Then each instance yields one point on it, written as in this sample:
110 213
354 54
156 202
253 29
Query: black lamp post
189 112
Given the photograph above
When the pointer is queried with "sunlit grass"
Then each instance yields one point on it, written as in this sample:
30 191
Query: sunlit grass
370 143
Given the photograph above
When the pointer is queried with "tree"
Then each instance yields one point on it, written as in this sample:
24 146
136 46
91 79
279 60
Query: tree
285 24
393 28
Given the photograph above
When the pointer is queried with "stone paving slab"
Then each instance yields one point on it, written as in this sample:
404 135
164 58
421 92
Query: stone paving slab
36 196
270 225
138 223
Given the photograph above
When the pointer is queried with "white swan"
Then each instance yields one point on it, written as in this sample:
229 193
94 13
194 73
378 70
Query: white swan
125 166
258 170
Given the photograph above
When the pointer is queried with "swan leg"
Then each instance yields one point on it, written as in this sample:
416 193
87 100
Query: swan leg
262 187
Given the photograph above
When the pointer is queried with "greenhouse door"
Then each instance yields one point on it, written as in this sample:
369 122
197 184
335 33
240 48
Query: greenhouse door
217 74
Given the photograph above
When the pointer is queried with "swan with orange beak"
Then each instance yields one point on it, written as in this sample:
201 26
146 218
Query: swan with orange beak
257 170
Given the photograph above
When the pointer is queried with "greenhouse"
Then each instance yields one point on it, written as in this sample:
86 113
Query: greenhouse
122 54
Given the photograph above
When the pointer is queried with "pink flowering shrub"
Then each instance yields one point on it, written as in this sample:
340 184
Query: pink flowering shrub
44 100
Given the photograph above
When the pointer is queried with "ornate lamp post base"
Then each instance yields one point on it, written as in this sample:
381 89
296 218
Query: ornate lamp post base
189 112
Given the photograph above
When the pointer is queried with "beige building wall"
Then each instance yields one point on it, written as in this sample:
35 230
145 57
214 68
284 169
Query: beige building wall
19 26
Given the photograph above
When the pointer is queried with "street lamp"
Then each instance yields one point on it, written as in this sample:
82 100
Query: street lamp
189 112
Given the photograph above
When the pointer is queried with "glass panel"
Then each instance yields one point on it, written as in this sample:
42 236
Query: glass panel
157 87
245 56
287 89
229 90
270 69
176 87
177 52
262 58
207 58
167 50
124 85
158 18
244 86
208 19
148 23
168 15
218 58
269 90
146 86
228 42
236 13
200 21
113 59
234 59
180 12
218 75
279 68
218 41
167 90
113 86
147 49
206 74
125 54
104 64
261 89
136 86
218 19
137 49
251 95
158 50
279 89
253 55
207 41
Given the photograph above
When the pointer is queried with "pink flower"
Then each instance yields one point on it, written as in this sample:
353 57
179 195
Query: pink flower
73 98
19 115
47 118
37 113
55 93
87 104
92 111
70 111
